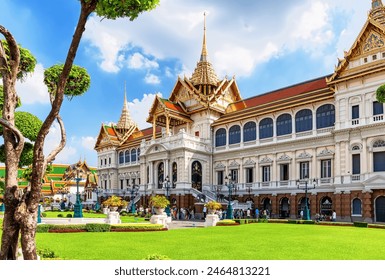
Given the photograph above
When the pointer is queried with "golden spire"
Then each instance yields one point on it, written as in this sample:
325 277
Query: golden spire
125 121
204 47
204 73
377 12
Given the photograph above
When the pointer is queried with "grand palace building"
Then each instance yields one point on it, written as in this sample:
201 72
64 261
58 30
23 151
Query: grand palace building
322 140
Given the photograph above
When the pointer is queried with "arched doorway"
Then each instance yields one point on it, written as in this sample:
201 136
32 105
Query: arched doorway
251 202
284 208
380 209
301 206
326 206
160 175
196 175
266 205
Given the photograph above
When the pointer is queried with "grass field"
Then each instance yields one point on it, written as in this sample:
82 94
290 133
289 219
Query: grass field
261 241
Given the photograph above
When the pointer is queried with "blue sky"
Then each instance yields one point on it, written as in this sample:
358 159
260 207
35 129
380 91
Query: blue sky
265 44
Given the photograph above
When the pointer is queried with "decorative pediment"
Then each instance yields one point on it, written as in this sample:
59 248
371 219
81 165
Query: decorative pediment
234 164
220 166
304 155
373 41
375 180
266 160
326 153
249 162
284 157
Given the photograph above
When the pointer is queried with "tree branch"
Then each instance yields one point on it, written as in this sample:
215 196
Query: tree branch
19 137
14 54
62 143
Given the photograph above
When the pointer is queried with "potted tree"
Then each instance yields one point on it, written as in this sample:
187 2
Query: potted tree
212 206
159 202
114 202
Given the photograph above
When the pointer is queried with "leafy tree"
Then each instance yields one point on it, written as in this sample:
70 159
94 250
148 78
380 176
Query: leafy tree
380 94
21 208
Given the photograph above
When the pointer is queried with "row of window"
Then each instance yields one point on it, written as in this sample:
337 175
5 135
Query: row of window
129 156
325 117
304 169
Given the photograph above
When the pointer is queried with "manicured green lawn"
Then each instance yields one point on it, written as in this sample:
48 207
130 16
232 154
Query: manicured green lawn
124 219
262 241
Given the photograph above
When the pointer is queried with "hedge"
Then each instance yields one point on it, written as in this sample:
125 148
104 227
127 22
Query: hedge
98 227
227 223
43 228
301 222
246 221
361 224
137 227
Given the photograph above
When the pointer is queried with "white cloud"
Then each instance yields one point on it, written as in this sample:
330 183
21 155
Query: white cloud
77 148
151 79
139 109
138 61
33 90
236 43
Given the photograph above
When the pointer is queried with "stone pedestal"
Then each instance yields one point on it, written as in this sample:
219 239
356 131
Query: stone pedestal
113 218
160 220
105 210
211 220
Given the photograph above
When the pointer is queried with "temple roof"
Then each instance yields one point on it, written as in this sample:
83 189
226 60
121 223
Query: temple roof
204 73
125 122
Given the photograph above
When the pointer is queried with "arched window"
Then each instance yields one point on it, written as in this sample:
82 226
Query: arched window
174 174
127 156
249 132
235 134
220 137
284 125
121 157
138 151
303 120
133 155
160 175
196 175
357 207
266 128
326 116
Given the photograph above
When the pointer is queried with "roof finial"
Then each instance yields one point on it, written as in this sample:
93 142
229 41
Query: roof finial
204 47
376 4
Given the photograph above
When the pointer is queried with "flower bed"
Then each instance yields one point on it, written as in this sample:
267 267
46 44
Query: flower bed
224 223
335 224
98 228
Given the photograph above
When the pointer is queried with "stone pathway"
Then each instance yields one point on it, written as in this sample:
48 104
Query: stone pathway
176 224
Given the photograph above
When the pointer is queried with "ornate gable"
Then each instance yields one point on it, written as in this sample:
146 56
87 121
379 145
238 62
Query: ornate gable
363 55
107 137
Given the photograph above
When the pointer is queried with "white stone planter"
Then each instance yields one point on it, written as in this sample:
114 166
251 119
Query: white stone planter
211 220
160 220
113 217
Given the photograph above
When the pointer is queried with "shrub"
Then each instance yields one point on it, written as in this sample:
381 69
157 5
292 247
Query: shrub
159 201
227 222
44 214
69 215
43 228
136 227
46 253
156 257
60 215
114 201
98 227
279 221
123 213
360 224
213 205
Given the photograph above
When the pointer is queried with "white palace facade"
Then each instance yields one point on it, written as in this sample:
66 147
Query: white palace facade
326 134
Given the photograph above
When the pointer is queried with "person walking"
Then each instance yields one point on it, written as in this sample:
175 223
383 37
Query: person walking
248 213
256 213
204 212
334 216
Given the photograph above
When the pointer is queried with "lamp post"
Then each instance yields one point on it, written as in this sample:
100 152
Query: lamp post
217 189
97 190
230 185
167 187
78 207
306 187
133 192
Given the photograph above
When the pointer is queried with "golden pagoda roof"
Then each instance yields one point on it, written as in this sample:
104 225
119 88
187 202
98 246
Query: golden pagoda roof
377 12
125 122
204 73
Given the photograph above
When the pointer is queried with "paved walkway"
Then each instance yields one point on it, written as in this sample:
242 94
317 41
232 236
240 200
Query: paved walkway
175 224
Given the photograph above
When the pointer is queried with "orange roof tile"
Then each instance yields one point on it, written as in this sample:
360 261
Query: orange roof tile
308 86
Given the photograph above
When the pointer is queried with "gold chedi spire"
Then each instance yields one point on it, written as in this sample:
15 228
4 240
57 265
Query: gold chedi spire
377 12
125 122
204 73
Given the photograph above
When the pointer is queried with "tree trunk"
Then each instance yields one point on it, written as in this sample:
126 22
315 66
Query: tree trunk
20 212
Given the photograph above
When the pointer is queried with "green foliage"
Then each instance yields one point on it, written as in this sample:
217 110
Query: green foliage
113 9
114 201
43 228
227 222
360 224
380 94
69 215
159 201
146 227
156 257
44 214
27 60
60 215
78 81
98 227
46 253
28 124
